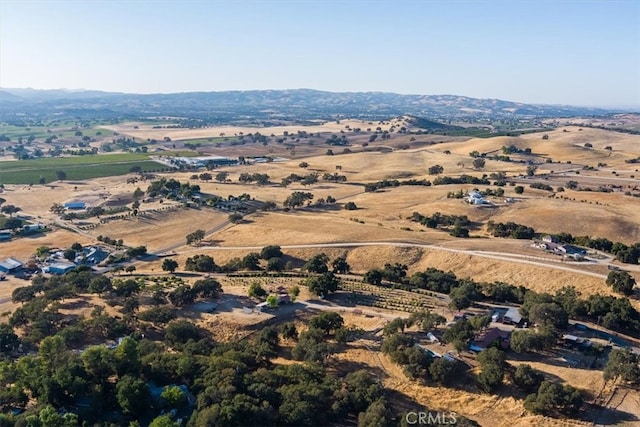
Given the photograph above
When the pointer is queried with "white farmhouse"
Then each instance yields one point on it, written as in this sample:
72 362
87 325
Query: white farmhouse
475 198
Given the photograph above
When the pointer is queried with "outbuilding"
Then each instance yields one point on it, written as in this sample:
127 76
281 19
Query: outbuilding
60 268
32 228
284 299
263 306
10 265
75 205
512 316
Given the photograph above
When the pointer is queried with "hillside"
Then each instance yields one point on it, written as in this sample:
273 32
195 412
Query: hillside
278 105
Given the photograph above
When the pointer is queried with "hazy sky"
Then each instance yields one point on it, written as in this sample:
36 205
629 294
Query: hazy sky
556 52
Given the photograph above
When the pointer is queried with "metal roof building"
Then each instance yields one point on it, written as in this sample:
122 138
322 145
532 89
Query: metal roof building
60 268
75 205
10 264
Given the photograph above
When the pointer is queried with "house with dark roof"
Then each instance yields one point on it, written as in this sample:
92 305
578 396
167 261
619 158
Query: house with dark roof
491 336
92 255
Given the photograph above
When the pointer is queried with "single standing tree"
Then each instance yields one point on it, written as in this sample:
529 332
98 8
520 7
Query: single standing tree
323 284
222 176
340 265
478 163
436 170
256 291
296 199
195 237
61 175
206 176
493 363
138 193
271 251
169 265
317 264
10 209
235 218
621 282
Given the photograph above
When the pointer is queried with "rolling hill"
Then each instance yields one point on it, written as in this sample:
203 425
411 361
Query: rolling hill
274 105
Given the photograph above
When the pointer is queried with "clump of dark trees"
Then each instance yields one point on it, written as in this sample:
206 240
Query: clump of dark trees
462 179
373 186
457 225
233 383
171 189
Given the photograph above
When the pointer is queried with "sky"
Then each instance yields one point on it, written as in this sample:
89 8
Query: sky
548 52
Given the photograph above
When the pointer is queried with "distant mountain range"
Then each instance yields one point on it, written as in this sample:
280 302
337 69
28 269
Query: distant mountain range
265 105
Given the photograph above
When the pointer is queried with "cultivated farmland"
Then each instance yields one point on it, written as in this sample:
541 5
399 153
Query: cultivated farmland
75 168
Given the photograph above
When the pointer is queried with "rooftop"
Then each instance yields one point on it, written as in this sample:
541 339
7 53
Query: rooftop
491 335
10 264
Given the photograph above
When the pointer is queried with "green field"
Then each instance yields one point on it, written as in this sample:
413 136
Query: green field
59 129
483 133
76 168
14 132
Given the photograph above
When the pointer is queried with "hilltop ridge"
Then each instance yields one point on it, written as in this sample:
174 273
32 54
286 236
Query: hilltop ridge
286 104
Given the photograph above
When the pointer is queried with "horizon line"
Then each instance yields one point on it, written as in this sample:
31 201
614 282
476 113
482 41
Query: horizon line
77 90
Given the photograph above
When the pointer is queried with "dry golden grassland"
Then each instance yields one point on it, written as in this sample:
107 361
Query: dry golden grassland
144 131
381 217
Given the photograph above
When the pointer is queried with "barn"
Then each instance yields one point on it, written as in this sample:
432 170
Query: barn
10 265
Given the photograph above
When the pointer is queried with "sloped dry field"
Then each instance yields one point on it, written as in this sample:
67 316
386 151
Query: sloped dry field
144 131
382 216
488 410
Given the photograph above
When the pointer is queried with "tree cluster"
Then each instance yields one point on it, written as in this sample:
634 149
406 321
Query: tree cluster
510 229
456 224
462 179
391 272
171 189
201 263
416 363
555 400
258 178
373 186
297 199
623 364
